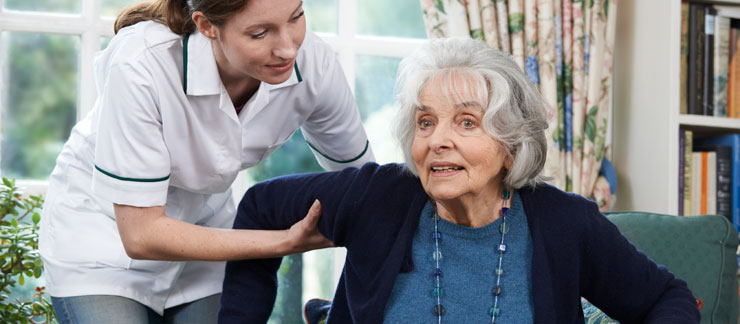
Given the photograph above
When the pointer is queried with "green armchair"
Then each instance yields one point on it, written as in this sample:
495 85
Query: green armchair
698 249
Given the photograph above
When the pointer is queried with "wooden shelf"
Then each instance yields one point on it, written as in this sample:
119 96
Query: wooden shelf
709 124
720 2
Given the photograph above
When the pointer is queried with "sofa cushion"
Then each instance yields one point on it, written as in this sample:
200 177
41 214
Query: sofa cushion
698 249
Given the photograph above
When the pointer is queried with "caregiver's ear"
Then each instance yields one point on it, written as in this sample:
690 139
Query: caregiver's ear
204 25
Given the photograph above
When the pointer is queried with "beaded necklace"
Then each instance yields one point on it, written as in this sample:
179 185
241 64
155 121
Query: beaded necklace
494 310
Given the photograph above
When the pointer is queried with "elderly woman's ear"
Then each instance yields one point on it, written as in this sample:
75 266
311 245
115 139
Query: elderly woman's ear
508 162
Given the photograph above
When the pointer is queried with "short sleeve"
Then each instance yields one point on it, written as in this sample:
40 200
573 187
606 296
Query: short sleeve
334 130
132 164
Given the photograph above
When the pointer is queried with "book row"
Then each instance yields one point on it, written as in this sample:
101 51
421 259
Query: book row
710 62
709 175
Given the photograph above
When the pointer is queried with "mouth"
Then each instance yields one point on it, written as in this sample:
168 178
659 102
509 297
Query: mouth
445 169
281 67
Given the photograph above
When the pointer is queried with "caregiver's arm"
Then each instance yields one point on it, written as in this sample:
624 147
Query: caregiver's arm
147 233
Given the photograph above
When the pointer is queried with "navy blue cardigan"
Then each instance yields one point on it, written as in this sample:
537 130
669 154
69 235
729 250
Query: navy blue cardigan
374 211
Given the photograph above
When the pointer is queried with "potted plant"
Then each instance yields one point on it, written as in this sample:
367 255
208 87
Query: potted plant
19 257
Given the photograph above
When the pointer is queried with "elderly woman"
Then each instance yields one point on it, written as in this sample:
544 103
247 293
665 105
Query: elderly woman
465 232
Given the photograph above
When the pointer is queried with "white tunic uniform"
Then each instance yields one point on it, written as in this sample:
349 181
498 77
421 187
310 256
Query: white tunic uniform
148 142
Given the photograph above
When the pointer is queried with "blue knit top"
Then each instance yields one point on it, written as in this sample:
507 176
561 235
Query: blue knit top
468 262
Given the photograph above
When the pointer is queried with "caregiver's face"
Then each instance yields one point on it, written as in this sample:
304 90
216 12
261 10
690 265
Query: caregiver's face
262 40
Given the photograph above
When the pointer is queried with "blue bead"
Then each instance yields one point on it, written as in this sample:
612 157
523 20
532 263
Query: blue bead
437 236
437 272
437 292
504 210
494 311
506 194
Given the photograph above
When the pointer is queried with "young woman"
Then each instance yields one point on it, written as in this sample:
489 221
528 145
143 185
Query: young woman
189 93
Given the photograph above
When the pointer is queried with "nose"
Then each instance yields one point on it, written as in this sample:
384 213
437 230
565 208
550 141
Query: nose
441 138
284 47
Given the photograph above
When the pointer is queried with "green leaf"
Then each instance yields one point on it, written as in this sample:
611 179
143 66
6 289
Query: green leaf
21 279
440 6
477 34
516 23
590 127
37 272
7 182
14 222
36 218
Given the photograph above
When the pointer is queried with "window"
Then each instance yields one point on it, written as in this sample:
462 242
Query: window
47 49
46 86
370 38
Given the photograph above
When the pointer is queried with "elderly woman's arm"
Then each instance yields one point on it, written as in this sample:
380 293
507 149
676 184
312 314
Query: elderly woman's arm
249 288
626 284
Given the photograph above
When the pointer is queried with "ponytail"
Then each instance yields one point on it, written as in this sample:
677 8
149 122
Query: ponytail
173 13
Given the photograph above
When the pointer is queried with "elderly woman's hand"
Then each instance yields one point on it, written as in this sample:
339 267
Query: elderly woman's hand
304 235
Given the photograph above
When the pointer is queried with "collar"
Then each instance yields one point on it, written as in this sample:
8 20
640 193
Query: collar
200 71
199 66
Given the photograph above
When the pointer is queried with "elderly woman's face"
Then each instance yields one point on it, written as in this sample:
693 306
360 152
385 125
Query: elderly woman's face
454 155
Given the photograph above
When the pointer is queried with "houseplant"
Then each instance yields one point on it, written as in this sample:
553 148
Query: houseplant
19 256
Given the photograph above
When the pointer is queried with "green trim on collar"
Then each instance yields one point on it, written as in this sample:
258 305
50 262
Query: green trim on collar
367 144
185 63
130 179
297 73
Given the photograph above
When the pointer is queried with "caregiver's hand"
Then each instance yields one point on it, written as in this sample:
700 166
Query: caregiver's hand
304 235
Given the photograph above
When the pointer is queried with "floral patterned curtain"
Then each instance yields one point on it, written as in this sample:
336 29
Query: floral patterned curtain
565 47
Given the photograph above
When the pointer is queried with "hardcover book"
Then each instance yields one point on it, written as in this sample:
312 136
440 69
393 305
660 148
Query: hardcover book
721 60
724 181
733 141
696 58
707 102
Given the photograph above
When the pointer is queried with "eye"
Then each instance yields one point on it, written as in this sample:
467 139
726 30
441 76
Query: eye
423 124
297 17
468 123
259 35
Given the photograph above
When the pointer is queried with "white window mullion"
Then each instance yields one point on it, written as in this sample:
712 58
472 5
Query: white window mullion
87 92
346 33
90 44
343 46
385 46
42 22
33 187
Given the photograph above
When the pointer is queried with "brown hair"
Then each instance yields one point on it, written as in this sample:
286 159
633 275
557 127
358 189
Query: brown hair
176 14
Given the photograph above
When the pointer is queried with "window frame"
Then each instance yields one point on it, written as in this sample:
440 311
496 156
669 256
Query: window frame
90 26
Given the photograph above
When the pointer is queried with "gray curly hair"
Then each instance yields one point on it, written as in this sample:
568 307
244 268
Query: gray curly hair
515 110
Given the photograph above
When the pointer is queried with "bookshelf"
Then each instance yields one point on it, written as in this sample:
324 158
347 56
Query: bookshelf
646 105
